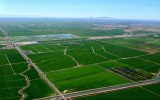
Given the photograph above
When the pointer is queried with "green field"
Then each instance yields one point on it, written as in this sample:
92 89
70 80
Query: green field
128 94
77 55
38 89
112 64
3 60
20 67
53 61
56 26
11 64
8 51
153 58
154 88
141 64
15 58
86 56
6 69
60 68
86 78
120 50
93 57
145 44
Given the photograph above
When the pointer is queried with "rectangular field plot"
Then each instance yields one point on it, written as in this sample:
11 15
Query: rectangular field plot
154 88
101 51
9 86
61 62
112 64
9 94
12 84
10 78
3 60
28 48
145 44
52 61
80 45
40 48
86 56
84 78
41 57
128 94
53 47
20 67
120 51
33 74
15 58
105 54
8 51
141 64
154 58
6 69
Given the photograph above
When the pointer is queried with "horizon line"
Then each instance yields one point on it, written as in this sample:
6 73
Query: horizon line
50 17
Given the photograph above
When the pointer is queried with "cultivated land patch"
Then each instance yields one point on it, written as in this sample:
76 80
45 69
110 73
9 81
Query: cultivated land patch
15 58
8 51
120 51
82 78
146 44
29 48
85 57
154 88
52 61
42 48
3 60
153 58
11 65
19 67
6 69
141 64
58 58
10 84
113 64
60 68
38 89
53 47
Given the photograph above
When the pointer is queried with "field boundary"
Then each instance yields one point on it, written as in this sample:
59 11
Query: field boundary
10 64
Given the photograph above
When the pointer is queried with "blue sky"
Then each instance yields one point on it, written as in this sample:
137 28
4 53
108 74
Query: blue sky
124 9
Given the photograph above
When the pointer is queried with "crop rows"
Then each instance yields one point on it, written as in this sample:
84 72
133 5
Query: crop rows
131 74
11 65
149 92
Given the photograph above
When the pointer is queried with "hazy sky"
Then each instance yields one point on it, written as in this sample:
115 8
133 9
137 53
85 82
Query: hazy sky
126 9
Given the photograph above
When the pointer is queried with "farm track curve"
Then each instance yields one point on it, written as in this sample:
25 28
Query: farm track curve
21 91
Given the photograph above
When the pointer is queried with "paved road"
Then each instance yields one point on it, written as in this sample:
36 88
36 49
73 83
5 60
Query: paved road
43 76
105 89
